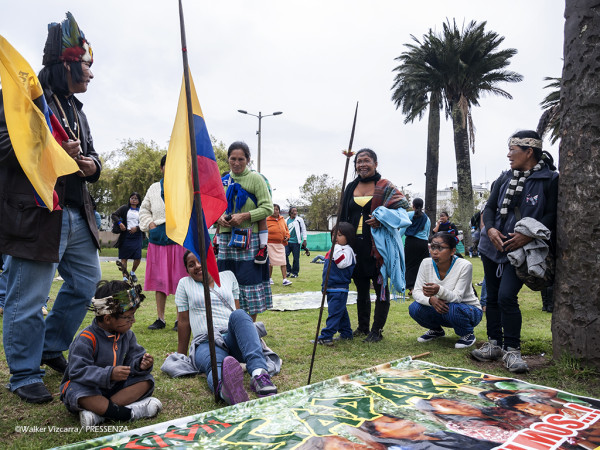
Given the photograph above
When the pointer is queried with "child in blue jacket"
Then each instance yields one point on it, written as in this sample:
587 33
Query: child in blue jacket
340 276
108 374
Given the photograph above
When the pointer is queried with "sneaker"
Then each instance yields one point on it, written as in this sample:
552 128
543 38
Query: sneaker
293 275
489 351
44 311
59 363
430 335
157 325
465 341
261 256
320 341
146 408
271 281
133 277
262 385
231 386
374 336
287 282
175 327
125 279
89 418
513 361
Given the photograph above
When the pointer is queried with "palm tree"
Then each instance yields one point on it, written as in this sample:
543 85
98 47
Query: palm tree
417 86
471 65
550 119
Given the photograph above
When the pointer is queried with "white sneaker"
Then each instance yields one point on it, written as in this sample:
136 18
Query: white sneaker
146 408
89 418
286 282
271 281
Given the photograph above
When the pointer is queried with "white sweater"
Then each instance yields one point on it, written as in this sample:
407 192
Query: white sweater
456 287
153 208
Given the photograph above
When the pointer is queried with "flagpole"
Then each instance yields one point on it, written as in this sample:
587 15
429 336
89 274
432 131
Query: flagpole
198 205
348 154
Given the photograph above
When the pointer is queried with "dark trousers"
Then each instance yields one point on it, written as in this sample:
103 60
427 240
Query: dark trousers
363 304
502 310
294 249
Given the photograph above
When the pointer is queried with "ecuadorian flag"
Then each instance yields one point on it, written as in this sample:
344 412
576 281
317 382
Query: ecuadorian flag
182 225
29 122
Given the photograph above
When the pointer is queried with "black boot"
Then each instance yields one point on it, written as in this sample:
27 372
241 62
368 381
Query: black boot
374 336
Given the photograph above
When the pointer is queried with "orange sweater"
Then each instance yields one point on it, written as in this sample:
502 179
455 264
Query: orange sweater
278 230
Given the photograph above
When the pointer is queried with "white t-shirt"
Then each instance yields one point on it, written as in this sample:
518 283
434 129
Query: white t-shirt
456 287
133 218
190 297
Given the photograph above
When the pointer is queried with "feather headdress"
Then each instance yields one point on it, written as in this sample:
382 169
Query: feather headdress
66 42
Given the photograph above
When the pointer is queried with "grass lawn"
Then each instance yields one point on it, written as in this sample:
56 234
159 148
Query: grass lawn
289 335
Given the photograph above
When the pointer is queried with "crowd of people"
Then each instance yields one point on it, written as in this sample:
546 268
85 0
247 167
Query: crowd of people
108 374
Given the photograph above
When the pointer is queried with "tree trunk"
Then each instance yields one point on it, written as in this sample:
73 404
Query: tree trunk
433 157
463 176
576 318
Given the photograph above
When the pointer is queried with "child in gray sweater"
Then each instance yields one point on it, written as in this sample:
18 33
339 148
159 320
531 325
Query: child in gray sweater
108 375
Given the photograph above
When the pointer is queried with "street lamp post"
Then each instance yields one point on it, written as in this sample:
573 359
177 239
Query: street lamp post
260 117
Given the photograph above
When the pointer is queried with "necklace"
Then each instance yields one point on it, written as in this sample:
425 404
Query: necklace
74 134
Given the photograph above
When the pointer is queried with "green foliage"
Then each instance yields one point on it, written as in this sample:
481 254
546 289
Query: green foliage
321 195
133 168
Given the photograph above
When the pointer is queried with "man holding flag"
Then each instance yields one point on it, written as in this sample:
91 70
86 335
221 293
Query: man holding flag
46 215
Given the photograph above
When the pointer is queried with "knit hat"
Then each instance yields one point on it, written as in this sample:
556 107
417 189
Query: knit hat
66 42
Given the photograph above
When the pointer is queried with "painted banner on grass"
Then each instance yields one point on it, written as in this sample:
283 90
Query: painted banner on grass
402 405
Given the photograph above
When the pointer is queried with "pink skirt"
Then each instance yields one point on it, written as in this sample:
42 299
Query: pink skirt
276 254
164 268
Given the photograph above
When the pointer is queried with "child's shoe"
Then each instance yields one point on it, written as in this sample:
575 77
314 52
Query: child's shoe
261 256
232 382
89 418
146 408
262 384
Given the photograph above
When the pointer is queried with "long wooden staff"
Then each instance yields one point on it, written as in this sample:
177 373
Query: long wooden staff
348 154
198 204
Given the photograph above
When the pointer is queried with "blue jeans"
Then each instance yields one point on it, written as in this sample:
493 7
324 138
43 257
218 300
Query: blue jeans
28 338
502 310
242 343
483 299
460 316
294 249
337 318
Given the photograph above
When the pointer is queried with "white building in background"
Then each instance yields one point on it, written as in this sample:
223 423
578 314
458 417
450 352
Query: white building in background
444 196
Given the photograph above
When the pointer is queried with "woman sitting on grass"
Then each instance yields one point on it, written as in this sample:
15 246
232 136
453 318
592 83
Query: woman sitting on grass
444 293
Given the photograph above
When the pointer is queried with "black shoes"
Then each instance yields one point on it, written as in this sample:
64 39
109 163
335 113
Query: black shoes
374 336
175 327
59 364
157 325
358 332
34 393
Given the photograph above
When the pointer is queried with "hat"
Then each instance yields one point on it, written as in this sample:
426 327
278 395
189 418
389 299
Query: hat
66 42
124 300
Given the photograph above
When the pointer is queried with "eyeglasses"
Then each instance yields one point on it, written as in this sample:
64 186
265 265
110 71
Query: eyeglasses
437 247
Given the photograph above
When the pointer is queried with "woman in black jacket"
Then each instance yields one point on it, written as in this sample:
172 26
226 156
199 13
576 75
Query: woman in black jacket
127 220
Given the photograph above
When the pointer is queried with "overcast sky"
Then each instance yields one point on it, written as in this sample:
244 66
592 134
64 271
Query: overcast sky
311 59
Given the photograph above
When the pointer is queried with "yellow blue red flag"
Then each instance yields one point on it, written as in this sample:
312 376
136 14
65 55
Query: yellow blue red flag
29 122
182 224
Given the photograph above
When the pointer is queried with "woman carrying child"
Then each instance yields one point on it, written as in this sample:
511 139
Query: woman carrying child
340 276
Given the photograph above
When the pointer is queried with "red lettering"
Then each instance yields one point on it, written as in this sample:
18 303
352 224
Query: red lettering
562 421
535 440
581 408
190 436
208 429
159 441
549 428
216 422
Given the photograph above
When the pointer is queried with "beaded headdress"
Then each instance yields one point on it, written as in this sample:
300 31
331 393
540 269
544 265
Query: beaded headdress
120 302
525 142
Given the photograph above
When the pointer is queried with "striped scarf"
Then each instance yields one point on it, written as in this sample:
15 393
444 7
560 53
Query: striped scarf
515 187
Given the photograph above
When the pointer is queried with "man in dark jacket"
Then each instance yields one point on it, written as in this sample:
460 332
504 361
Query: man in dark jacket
36 241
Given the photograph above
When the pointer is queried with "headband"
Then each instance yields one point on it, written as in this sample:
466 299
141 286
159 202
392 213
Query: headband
66 43
525 142
120 302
